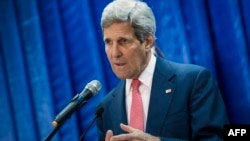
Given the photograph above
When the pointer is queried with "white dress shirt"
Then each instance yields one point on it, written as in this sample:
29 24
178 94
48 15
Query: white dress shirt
146 79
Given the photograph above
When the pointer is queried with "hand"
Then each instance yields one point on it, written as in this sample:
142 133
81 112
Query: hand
133 135
109 134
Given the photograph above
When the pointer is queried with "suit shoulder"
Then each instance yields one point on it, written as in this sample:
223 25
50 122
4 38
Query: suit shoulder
108 96
111 94
182 69
189 69
186 67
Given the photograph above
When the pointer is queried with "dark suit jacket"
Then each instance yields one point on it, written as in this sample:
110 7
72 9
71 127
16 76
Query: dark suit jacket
194 110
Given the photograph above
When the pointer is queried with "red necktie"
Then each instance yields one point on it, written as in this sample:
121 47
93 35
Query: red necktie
137 114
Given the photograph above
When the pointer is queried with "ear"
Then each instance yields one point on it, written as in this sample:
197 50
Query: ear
149 41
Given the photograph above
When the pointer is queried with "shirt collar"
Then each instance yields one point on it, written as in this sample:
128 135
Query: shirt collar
146 76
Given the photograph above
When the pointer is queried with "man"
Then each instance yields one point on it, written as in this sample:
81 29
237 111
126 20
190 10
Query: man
174 101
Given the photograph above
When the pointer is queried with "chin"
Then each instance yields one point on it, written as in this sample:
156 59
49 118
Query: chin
120 76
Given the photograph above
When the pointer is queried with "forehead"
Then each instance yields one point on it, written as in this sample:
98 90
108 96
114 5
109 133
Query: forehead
117 30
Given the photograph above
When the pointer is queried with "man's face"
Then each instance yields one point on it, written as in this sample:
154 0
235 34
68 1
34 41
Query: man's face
127 55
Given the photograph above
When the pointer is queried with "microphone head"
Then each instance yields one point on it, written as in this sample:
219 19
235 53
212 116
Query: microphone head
94 86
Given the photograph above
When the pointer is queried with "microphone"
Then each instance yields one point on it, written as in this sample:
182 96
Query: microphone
97 114
91 89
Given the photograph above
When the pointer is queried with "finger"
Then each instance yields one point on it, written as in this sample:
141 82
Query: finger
122 137
126 137
109 134
127 128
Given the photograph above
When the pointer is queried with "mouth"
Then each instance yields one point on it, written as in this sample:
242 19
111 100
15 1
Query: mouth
119 64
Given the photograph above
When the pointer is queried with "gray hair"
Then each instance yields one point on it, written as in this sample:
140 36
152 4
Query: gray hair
137 13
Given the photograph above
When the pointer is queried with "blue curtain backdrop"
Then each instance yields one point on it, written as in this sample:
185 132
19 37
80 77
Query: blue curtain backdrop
50 49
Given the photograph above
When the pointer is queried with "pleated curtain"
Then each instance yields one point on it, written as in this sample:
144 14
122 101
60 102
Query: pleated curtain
50 50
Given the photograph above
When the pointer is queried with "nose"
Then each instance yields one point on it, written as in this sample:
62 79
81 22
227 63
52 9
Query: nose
115 51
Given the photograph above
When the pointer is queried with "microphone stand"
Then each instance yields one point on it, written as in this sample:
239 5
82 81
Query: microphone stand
49 137
53 132
97 114
84 133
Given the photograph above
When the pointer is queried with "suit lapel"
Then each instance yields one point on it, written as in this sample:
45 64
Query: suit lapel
118 108
160 99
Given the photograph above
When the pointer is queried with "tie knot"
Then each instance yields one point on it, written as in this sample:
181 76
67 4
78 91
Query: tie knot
135 84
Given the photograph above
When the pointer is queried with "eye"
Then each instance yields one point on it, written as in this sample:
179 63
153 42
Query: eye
107 42
123 41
